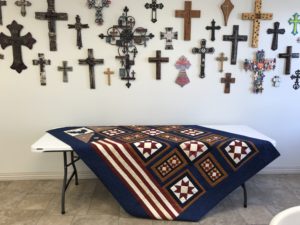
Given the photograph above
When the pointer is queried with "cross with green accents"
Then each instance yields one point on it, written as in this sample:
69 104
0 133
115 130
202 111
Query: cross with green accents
295 20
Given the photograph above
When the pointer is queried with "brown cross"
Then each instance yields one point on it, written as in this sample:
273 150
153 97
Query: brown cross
288 56
65 69
222 59
187 14
108 72
158 60
2 3
227 80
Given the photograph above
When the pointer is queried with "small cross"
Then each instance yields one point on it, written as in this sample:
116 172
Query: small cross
1 56
289 55
78 26
113 33
65 69
227 7
295 21
296 77
108 72
222 59
213 29
2 3
158 60
169 35
154 6
42 62
23 4
275 33
276 81
227 81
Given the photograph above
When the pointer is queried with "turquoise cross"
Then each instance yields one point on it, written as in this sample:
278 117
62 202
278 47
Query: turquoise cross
295 20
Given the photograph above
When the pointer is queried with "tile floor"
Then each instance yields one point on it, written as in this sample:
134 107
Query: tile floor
38 203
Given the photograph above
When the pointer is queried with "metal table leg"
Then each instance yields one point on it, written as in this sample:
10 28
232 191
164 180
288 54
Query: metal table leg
245 195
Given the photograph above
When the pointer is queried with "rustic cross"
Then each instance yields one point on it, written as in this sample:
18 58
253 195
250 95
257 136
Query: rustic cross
154 6
98 5
213 29
91 62
42 62
65 69
235 38
125 72
256 17
17 41
108 72
1 56
23 4
187 14
158 60
275 33
227 7
295 21
78 26
227 81
114 32
169 35
2 3
222 59
296 78
203 51
51 16
288 56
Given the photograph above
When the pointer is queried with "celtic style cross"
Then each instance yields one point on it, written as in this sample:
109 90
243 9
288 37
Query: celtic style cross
296 78
65 69
213 29
227 80
2 3
154 6
23 4
51 16
288 56
158 60
227 7
42 62
169 35
98 5
78 26
108 73
203 51
295 21
222 59
275 33
256 17
17 41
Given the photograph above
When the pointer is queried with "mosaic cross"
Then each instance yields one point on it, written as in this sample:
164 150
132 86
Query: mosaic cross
276 31
23 4
295 21
158 60
42 62
182 64
288 56
108 73
227 7
65 69
227 80
98 5
296 78
213 29
169 35
154 6
2 3
78 26
222 59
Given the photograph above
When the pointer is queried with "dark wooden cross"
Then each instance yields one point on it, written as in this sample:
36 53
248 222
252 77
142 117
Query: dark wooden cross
288 56
227 7
222 59
169 35
23 4
256 17
203 51
17 41
187 14
234 38
42 62
1 56
275 33
65 69
154 6
227 80
91 62
158 60
2 3
213 29
78 26
108 73
52 17
296 78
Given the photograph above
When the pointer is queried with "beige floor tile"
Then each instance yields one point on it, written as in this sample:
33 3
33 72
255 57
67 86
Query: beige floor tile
20 217
84 187
48 187
134 221
4 185
35 201
24 186
95 220
256 214
9 200
55 220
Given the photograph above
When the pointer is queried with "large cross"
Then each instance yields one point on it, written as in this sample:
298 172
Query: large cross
23 4
227 80
275 33
52 17
213 29
91 62
169 35
288 56
78 26
154 6
297 78
158 60
65 69
222 59
203 51
227 7
256 17
108 73
295 21
42 62
17 41
2 3
187 14
234 38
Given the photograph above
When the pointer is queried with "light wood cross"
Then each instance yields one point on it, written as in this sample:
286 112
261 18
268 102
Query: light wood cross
222 59
108 72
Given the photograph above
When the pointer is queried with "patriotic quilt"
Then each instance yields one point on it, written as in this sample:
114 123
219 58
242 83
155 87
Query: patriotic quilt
176 172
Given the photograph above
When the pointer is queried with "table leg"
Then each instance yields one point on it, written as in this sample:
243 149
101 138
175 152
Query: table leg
63 192
245 195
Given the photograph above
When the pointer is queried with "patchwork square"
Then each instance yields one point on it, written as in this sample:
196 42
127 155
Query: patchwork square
170 128
214 174
137 128
193 149
132 137
164 169
207 165
212 139
147 147
172 137
192 132
153 132
174 161
113 132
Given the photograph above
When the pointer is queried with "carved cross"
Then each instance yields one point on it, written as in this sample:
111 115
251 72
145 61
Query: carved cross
169 35
234 38
227 7
2 3
296 78
51 16
65 69
295 21
91 62
256 17
154 6
213 29
288 56
275 33
227 81
108 72
42 62
203 51
78 26
17 41
222 59
187 14
158 60
23 4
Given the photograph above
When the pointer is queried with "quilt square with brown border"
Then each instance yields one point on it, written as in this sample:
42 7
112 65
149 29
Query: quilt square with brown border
129 138
172 137
212 139
169 128
192 132
137 128
113 132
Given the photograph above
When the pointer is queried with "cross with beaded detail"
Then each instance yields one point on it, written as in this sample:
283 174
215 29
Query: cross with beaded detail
296 78
154 6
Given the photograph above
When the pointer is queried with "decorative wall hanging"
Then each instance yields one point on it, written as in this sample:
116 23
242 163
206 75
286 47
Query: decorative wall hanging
235 38
158 60
256 17
213 29
169 35
222 59
42 62
23 4
51 16
182 64
91 62
1 56
295 21
259 66
154 6
2 3
125 37
296 78
108 73
275 33
17 41
98 5
78 26
227 7
227 80
298 40
65 69
288 56
276 81
187 14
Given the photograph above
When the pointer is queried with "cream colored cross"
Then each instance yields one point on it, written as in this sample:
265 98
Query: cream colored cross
108 72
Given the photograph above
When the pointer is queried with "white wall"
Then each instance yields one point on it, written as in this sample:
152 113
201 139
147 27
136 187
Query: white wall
28 109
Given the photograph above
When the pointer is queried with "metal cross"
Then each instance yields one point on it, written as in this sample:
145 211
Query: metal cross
295 21
78 26
296 77
65 69
125 72
169 35
17 41
227 7
158 60
23 4
203 51
234 38
91 62
222 59
2 3
108 72
227 81
51 16
98 5
288 56
42 62
275 33
213 29
154 6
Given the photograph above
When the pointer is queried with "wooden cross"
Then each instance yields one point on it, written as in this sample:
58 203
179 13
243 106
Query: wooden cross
108 72
203 51
213 29
169 35
227 7
154 6
2 3
17 41
42 62
296 78
78 26
288 56
114 32
222 59
91 62
187 14
1 56
158 60
275 33
52 17
295 21
256 17
234 38
23 4
65 69
227 81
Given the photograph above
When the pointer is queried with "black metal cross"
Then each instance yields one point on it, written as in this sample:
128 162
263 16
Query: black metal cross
154 6
91 62
52 17
296 77
275 33
203 51
227 80
158 60
17 41
23 4
169 35
42 62
78 26
213 29
234 38
288 56
2 3
65 69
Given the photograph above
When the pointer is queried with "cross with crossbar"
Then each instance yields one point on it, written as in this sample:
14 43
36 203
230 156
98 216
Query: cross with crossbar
2 3
227 80
222 59
296 78
276 31
288 56
154 6
213 29
108 72
42 62
78 26
158 60
23 4
65 69
295 21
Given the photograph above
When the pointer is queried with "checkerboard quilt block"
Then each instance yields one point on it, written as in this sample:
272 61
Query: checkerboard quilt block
193 149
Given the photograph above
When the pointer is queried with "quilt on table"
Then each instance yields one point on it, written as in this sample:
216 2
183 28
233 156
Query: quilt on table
168 172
